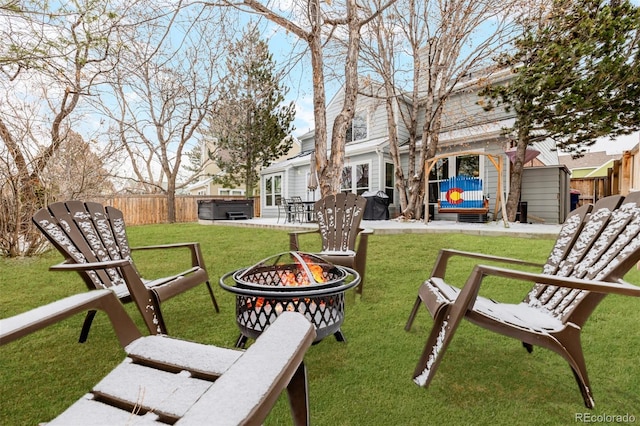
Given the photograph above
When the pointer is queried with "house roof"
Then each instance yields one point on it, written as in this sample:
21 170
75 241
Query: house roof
588 160
303 157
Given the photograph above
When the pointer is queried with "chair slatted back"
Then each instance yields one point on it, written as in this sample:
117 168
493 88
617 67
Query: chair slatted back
85 233
339 218
601 243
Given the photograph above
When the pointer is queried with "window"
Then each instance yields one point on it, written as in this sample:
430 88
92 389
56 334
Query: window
358 129
272 190
389 180
468 165
438 173
230 191
355 178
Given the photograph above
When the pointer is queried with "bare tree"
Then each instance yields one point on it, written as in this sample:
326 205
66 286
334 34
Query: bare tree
316 23
445 41
52 58
76 171
164 88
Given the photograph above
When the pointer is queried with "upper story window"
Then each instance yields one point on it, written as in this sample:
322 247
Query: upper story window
225 191
359 127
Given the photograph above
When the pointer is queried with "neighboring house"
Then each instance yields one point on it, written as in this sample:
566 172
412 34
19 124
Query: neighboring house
596 174
206 184
591 164
466 127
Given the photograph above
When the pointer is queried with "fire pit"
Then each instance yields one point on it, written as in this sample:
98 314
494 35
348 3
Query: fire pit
290 281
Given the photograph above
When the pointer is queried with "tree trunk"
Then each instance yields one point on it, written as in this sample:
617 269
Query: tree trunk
171 204
517 166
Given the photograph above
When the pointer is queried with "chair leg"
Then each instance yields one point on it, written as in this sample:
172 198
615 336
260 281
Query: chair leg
445 323
361 270
84 333
585 389
298 394
412 315
241 342
152 315
213 297
573 354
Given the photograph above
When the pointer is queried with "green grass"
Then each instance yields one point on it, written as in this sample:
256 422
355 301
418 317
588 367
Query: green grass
484 378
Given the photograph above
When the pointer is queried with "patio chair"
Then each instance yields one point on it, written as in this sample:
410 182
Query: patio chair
338 217
299 209
283 210
169 381
94 243
595 248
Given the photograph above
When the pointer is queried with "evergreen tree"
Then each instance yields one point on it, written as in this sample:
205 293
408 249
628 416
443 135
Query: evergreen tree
251 123
577 79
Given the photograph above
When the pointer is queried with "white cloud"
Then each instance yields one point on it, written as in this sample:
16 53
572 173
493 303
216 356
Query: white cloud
304 115
616 145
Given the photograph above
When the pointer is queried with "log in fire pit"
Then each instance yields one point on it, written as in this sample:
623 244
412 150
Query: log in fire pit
290 281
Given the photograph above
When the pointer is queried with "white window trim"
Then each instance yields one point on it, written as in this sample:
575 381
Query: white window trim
362 112
263 190
354 182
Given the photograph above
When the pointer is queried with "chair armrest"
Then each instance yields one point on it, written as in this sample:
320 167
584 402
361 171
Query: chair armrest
20 325
137 289
294 245
165 246
440 267
361 251
194 247
247 391
72 266
607 287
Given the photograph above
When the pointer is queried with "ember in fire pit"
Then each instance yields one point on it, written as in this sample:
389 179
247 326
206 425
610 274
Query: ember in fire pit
291 281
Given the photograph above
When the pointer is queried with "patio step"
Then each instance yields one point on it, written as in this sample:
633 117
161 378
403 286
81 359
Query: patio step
236 216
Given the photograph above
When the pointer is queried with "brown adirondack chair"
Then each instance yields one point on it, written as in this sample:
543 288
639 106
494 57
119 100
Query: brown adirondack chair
338 217
595 248
94 243
170 381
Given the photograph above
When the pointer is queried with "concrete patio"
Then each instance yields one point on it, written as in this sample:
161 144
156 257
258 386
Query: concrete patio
515 229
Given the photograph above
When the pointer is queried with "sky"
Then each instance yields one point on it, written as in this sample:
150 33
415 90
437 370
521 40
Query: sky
616 146
300 84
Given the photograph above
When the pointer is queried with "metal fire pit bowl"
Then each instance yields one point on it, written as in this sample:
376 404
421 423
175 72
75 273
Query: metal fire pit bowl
290 281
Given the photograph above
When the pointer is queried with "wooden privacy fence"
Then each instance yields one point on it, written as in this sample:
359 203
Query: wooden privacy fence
591 189
149 209
594 188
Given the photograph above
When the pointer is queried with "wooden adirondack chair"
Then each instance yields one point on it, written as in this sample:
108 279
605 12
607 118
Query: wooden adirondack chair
94 243
338 217
170 381
595 248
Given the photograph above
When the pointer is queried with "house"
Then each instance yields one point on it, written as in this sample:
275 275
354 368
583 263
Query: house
471 138
206 184
590 164
598 174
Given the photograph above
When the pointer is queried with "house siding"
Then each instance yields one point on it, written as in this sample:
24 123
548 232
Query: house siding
466 126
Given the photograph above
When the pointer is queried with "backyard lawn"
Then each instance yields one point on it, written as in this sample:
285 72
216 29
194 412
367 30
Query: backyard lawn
484 378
